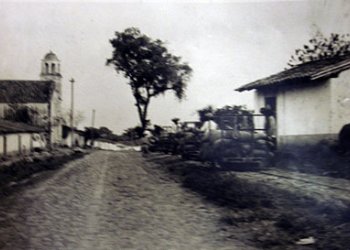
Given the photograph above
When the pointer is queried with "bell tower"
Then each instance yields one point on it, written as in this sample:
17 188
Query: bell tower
51 70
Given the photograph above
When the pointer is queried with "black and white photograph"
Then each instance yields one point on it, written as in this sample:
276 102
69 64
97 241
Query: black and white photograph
175 125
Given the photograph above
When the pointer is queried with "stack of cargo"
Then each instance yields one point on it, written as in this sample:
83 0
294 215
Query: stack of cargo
232 145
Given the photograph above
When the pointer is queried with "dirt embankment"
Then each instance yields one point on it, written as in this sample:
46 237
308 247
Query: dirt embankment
270 217
322 159
18 170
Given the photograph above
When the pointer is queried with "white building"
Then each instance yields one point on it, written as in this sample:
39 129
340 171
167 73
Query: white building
19 138
311 101
78 139
43 97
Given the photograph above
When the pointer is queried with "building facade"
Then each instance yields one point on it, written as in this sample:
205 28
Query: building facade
19 138
36 102
311 101
72 137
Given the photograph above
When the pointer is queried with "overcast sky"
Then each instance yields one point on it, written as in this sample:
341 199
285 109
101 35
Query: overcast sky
227 44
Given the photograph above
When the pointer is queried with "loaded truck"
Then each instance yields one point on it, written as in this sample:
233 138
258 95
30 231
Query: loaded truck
231 141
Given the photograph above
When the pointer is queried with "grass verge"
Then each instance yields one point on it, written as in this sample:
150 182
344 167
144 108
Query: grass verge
272 218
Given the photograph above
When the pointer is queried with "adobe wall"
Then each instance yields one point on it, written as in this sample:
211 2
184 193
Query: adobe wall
340 92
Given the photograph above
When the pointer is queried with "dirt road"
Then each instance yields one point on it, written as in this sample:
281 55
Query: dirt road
322 188
108 201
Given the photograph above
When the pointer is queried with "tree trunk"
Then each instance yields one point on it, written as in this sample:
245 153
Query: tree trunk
144 118
142 111
142 103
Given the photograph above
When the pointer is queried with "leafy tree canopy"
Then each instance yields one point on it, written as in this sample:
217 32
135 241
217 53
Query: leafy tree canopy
91 133
102 132
206 113
150 68
134 133
105 132
321 47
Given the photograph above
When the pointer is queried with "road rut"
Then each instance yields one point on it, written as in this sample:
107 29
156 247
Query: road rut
107 200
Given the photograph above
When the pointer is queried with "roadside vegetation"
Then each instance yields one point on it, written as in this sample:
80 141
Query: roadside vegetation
18 171
269 218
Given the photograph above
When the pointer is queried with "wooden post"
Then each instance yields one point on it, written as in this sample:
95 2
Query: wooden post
72 112
5 145
31 143
20 144
49 124
92 127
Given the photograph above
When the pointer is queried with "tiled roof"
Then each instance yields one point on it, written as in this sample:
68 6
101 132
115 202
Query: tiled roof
68 129
22 91
7 127
309 71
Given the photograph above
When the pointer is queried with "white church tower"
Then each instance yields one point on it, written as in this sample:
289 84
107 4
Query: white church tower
51 71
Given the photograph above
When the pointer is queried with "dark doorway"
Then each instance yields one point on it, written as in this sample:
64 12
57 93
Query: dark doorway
271 102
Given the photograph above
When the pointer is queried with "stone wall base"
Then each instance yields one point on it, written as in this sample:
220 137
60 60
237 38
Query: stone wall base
292 141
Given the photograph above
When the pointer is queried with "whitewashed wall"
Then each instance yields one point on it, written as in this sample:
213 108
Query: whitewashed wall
12 143
25 143
340 91
1 145
42 108
310 114
77 138
18 143
304 111
56 134
303 114
56 129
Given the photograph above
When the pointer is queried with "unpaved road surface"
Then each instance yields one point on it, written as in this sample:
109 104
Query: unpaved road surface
107 200
322 188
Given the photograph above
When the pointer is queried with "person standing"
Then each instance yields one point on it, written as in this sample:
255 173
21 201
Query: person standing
270 121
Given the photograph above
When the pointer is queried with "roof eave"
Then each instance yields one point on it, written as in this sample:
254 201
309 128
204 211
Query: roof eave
275 84
329 72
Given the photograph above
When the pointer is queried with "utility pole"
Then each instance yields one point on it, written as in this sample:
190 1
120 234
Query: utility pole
92 127
72 111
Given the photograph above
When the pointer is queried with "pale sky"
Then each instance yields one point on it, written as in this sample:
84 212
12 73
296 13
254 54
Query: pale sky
226 43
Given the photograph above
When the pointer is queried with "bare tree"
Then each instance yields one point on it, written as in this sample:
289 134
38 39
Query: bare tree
79 117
